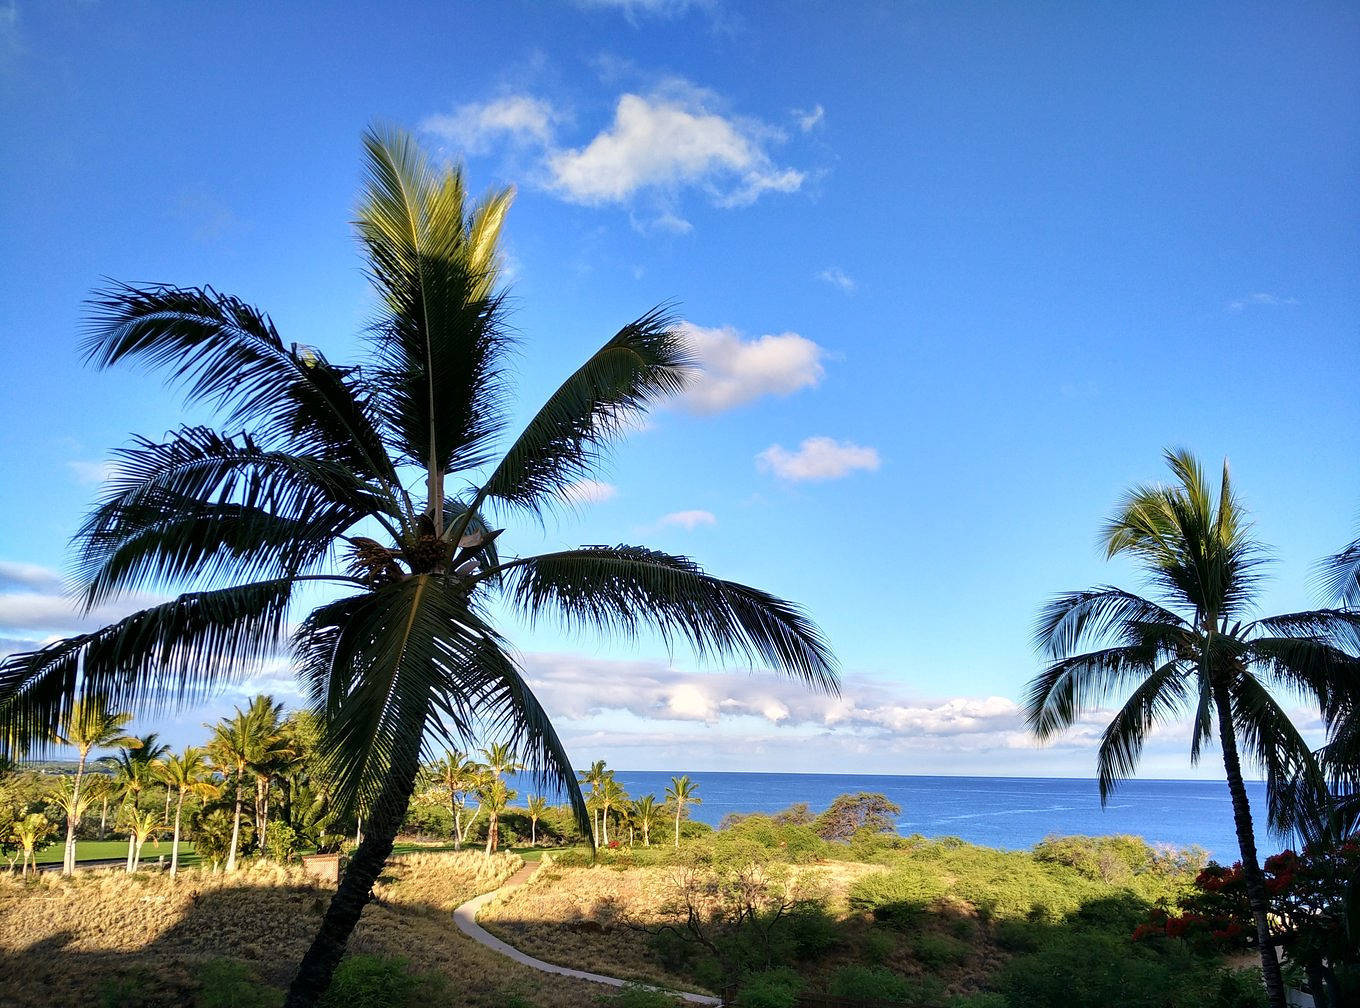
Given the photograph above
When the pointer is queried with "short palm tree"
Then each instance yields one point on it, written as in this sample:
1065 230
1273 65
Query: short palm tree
682 792
404 646
142 825
86 724
456 776
1191 649
496 796
613 798
32 832
187 776
647 813
594 778
133 775
537 806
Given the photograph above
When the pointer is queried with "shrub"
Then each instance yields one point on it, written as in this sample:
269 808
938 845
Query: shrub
936 951
638 996
985 999
372 981
868 983
812 932
281 841
227 983
877 946
771 989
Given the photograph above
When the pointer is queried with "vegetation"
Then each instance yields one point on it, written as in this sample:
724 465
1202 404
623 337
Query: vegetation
1192 650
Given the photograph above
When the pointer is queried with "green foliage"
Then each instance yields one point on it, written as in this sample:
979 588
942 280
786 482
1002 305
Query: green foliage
373 981
849 814
877 945
983 999
228 983
281 841
937 951
777 988
868 983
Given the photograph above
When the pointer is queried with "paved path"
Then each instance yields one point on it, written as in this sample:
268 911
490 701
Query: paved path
466 918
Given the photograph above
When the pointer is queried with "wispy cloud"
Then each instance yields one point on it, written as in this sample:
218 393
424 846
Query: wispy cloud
734 371
809 119
1260 300
635 9
688 520
91 473
476 126
30 576
838 278
589 492
818 458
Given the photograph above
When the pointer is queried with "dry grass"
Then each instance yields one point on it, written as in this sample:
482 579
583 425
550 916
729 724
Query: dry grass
68 942
590 917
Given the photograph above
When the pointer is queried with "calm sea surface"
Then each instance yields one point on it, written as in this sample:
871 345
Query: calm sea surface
1006 812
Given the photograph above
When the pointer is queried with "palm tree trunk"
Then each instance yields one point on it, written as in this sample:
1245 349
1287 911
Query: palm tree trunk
677 825
235 829
68 862
103 818
166 817
491 833
1246 842
131 842
174 844
533 832
318 964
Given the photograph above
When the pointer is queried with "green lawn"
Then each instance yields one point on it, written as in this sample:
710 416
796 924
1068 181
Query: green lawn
97 850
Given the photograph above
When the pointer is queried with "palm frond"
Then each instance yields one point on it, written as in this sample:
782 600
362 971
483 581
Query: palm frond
644 362
1271 740
1069 619
202 506
1309 666
1159 698
229 353
1341 575
440 339
623 589
1070 686
164 656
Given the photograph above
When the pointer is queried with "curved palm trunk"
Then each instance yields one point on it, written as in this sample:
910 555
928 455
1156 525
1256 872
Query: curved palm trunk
533 832
174 844
491 825
103 818
347 905
1246 842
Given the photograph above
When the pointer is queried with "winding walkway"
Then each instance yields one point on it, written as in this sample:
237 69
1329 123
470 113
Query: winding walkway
466 919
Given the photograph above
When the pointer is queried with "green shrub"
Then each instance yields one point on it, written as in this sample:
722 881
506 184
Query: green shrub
985 999
812 932
868 983
372 981
936 951
877 945
281 841
228 983
128 990
772 989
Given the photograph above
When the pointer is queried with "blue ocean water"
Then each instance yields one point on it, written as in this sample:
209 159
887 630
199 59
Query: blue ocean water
1006 812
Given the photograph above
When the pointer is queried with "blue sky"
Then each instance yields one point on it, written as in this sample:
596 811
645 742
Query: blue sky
958 273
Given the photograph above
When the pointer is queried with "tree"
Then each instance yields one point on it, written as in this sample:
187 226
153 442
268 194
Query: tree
32 833
594 777
186 775
1190 650
612 798
134 770
230 749
457 776
142 825
88 724
401 647
850 813
647 814
682 792
495 795
537 805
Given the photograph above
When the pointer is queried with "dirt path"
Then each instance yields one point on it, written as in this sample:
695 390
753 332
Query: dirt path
466 919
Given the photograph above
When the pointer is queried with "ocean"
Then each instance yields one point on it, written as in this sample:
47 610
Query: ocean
1007 812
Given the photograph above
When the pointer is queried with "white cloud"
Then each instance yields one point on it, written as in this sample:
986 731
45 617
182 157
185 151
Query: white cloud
1260 300
589 492
817 458
809 119
734 371
667 141
837 277
92 472
476 126
689 520
35 611
26 575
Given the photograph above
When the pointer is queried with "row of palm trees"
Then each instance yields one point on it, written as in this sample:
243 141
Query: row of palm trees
606 795
1192 646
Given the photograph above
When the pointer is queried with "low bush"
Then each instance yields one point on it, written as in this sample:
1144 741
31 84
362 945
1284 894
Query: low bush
375 981
869 983
638 996
771 989
229 983
937 951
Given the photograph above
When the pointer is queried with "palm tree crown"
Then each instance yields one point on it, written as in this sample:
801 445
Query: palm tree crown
1192 649
313 492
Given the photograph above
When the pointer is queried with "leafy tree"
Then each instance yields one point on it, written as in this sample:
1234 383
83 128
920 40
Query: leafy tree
186 775
457 777
1191 649
681 793
238 522
496 796
594 778
850 813
85 725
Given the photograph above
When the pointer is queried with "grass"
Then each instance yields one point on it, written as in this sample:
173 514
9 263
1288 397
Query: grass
102 850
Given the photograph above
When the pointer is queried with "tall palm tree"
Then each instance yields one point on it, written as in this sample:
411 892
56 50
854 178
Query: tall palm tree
457 776
1190 649
314 495
269 754
500 759
682 792
613 798
230 747
85 724
186 775
594 778
537 805
647 814
132 775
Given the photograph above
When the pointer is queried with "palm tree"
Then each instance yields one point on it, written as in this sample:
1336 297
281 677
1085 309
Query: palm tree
31 831
142 825
87 724
682 792
185 775
403 646
612 798
73 799
269 753
457 776
594 777
496 796
1190 649
131 776
537 805
646 812
230 748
